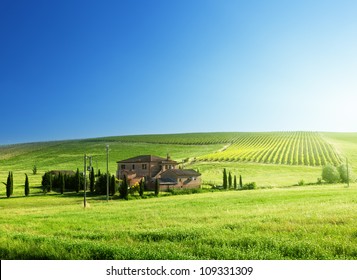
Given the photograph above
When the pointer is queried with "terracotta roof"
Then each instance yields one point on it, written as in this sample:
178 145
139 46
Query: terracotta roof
183 172
146 158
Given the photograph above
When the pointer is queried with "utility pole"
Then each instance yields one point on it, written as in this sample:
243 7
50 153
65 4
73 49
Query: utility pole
85 183
107 172
84 174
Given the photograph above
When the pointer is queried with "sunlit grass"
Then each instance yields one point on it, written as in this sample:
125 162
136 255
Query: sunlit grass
295 223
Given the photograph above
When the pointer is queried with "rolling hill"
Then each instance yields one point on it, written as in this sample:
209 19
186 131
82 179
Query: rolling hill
269 158
302 222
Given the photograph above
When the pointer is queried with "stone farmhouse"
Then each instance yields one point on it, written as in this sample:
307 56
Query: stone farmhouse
165 170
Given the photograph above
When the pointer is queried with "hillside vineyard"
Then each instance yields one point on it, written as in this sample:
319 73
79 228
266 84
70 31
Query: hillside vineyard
293 148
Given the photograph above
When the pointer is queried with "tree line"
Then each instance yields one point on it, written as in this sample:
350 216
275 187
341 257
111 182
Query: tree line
65 182
230 182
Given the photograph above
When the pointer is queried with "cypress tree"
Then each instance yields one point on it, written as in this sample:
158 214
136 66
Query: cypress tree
44 183
8 186
123 190
229 179
62 182
27 186
50 180
91 180
112 185
141 189
225 184
77 181
240 182
157 187
47 182
235 182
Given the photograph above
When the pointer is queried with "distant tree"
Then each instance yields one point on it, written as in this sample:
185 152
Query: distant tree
141 187
62 182
8 186
240 182
225 183
157 187
330 174
92 180
46 182
250 186
123 189
112 188
229 179
27 185
235 182
77 181
34 170
342 170
101 184
98 174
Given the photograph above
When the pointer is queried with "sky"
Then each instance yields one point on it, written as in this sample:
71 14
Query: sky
80 69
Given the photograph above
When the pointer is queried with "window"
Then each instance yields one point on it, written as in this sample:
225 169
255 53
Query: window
144 166
123 166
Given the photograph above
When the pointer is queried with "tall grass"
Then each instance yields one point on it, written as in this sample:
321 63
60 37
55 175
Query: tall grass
295 223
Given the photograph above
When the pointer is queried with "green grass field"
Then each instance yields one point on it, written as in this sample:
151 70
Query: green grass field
317 222
279 220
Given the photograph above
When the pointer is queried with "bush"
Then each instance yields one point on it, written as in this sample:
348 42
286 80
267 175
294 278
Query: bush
301 183
249 186
134 188
342 170
185 191
123 188
330 174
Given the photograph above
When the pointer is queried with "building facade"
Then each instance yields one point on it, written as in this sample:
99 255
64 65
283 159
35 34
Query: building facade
151 168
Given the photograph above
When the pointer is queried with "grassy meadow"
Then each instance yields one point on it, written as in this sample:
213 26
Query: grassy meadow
279 220
282 223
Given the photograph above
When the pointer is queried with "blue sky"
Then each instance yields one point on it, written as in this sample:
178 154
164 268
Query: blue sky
78 69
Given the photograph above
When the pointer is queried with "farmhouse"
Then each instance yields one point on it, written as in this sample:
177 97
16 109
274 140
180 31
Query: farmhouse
152 168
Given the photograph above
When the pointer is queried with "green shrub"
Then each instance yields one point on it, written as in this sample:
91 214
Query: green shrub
250 186
342 170
185 191
123 189
301 183
330 174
